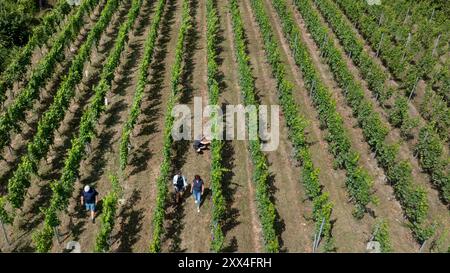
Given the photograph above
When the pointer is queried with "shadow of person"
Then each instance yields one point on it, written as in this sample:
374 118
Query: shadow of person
204 196
98 208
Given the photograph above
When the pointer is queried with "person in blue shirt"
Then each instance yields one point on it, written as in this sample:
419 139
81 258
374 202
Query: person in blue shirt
197 189
89 199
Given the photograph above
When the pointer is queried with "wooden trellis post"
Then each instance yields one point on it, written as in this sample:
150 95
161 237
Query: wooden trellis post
432 15
325 39
406 16
317 238
422 246
55 230
424 139
436 43
295 43
88 147
380 21
408 40
379 44
375 152
413 89
10 149
129 146
313 87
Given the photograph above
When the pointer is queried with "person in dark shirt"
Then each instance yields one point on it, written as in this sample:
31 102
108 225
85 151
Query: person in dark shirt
201 143
89 199
197 189
179 184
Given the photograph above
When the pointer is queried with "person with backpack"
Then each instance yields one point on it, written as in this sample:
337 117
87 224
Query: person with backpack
197 189
89 199
179 184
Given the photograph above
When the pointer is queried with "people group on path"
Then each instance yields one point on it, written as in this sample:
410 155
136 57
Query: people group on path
197 189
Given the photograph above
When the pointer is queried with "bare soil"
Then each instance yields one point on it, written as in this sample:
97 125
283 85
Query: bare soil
186 229
296 231
388 207
103 160
243 229
39 193
438 211
28 128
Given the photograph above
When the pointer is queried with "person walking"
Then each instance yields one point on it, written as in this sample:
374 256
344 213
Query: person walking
179 184
197 189
89 199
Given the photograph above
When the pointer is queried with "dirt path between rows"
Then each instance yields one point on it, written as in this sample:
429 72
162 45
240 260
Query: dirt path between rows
104 159
186 229
349 234
89 20
243 229
388 207
438 211
29 127
39 192
134 225
419 94
39 53
383 110
296 231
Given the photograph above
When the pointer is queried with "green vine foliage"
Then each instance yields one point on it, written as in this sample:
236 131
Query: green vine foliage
397 58
382 236
40 36
412 198
162 190
359 183
429 150
50 120
108 216
217 169
62 190
16 111
135 110
266 208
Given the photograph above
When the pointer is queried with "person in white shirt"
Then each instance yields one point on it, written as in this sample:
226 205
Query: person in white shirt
201 143
179 184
